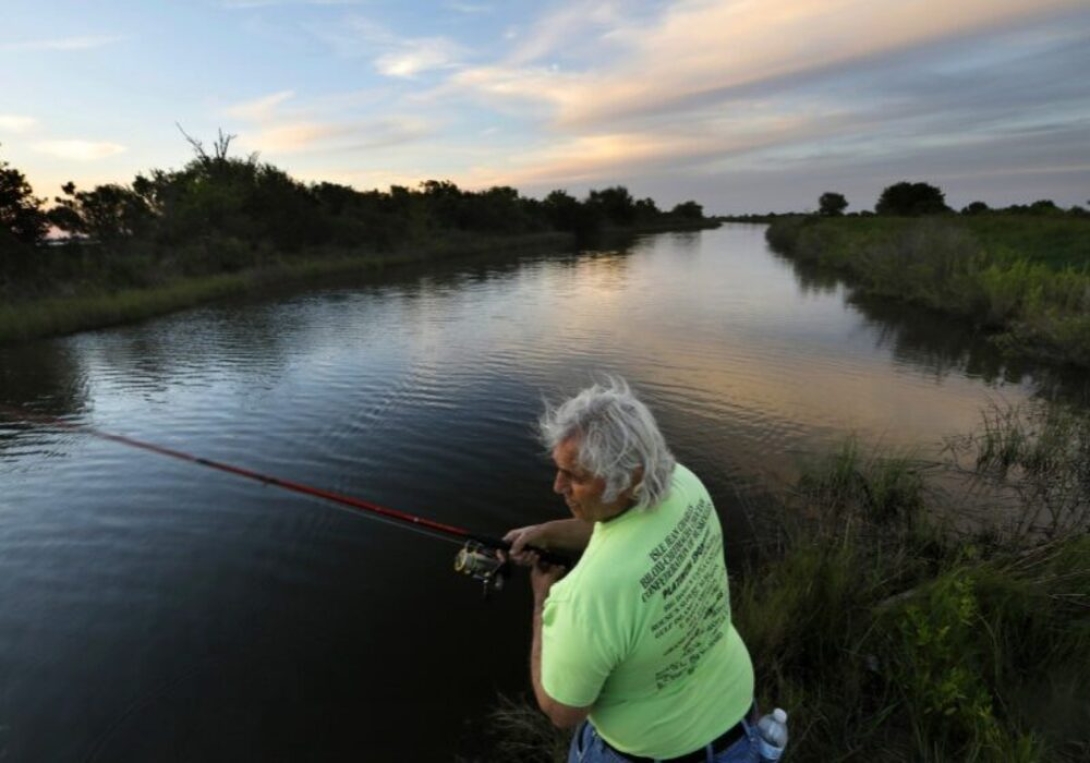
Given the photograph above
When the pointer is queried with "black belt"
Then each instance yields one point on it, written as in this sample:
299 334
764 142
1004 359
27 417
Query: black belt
719 744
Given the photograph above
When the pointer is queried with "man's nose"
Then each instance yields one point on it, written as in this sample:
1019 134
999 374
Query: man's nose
560 484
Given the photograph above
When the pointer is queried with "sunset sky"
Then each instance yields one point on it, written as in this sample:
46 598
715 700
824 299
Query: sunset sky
742 105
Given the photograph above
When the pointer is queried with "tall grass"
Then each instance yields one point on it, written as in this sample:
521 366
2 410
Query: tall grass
896 636
891 633
1027 279
1040 457
149 294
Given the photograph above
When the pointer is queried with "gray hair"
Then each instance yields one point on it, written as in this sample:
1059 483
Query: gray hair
617 434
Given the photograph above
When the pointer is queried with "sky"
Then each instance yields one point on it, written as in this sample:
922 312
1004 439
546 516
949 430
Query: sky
744 106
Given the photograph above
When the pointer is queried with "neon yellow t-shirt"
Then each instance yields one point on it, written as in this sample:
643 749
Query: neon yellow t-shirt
640 629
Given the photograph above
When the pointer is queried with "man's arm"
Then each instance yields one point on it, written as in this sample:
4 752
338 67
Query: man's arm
570 535
564 716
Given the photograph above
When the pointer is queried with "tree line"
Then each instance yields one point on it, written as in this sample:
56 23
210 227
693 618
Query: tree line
905 199
223 213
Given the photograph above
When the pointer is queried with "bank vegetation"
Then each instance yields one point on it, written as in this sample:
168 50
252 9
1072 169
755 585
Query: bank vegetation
227 224
1022 279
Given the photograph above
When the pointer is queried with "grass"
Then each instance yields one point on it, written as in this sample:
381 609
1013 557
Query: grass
891 634
94 305
1025 280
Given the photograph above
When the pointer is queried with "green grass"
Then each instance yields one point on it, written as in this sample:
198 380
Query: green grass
91 305
895 636
1058 242
1025 280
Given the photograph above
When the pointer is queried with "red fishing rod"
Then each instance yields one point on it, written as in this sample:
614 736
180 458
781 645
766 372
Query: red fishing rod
479 557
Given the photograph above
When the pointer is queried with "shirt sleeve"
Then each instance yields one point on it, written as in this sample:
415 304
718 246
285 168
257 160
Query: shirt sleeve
576 657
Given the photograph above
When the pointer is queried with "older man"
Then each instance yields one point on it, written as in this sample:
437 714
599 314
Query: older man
635 643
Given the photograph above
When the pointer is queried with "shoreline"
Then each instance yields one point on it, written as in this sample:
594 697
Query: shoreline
55 316
1021 283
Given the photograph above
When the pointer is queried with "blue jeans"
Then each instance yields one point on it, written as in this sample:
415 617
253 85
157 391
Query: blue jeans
588 747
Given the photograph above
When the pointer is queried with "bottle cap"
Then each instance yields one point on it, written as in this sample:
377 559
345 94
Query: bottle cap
780 715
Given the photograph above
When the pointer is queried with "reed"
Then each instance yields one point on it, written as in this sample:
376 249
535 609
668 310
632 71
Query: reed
1025 279
96 305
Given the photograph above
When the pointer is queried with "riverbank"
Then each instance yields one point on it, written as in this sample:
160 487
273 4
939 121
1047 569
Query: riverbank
1023 280
81 303
892 630
93 306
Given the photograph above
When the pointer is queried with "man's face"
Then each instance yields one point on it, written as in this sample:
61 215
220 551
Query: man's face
583 491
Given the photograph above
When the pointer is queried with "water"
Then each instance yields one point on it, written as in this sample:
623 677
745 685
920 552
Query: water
155 610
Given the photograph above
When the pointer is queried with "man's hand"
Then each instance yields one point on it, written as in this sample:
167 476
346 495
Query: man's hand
562 536
542 577
520 538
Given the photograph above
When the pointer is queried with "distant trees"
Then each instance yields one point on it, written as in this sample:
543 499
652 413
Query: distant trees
911 200
615 204
222 212
563 211
832 204
22 220
975 208
688 210
109 213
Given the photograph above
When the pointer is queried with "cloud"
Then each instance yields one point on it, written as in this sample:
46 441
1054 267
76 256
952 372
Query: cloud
78 150
16 123
700 149
702 50
558 30
393 56
413 57
67 43
298 137
722 89
260 109
303 128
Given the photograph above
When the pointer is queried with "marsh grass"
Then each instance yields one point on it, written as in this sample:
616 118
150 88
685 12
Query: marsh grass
150 289
890 633
897 636
1041 456
1027 280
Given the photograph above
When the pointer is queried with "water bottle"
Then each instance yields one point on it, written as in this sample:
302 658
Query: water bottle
772 735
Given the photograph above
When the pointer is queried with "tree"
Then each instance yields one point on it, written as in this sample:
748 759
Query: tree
1044 207
20 213
647 210
976 208
562 210
832 204
615 203
911 200
688 210
109 213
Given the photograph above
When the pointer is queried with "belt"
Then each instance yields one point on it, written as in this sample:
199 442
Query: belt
719 744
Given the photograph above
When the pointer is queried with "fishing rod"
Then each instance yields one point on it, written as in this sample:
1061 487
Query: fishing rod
480 557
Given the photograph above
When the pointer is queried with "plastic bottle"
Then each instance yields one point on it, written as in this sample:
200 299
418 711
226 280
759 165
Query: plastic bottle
772 735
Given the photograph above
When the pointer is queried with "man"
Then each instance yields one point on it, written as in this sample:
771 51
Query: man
635 643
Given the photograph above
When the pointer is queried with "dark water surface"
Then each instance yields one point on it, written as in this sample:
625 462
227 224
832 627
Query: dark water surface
152 610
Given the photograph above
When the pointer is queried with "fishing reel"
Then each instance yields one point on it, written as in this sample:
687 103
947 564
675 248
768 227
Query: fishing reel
483 563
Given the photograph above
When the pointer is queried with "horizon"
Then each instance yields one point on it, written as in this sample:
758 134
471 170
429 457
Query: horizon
743 108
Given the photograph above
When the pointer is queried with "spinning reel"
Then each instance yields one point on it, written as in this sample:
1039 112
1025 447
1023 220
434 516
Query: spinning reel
483 563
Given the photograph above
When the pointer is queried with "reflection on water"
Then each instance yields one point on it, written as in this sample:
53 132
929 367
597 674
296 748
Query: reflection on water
925 339
158 611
